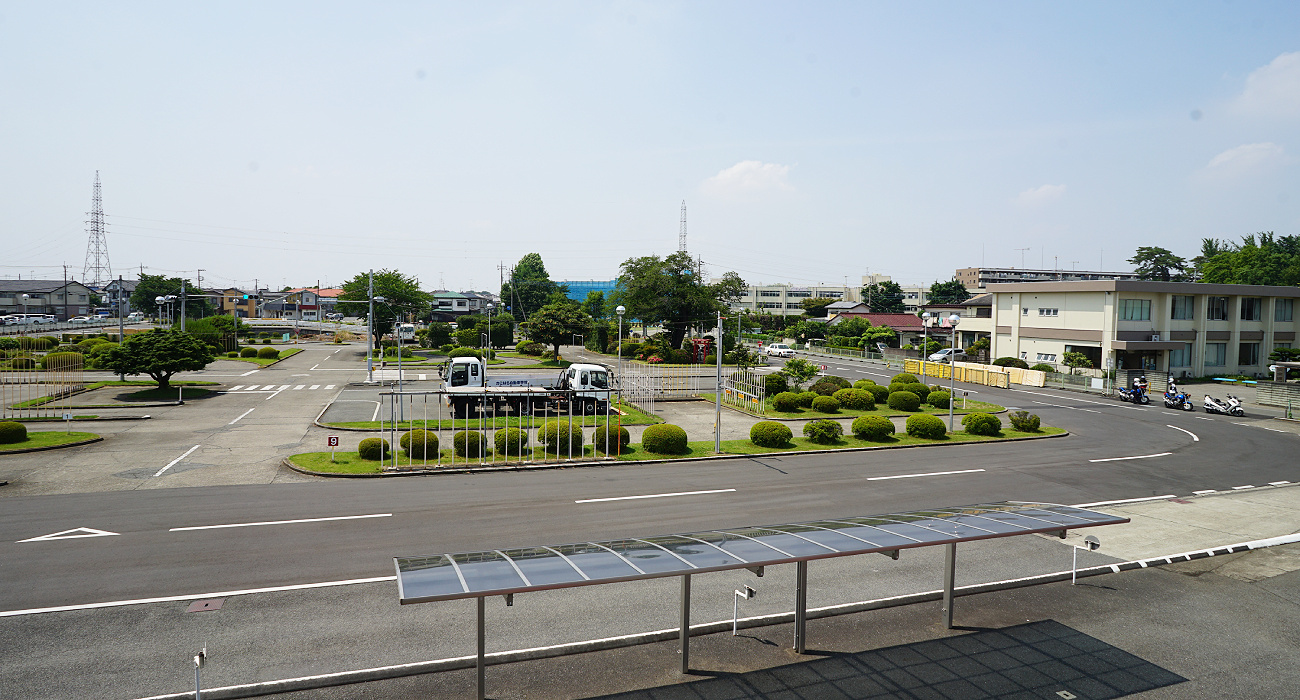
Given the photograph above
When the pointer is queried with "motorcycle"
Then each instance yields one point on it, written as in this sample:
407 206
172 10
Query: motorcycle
1178 399
1231 407
1134 395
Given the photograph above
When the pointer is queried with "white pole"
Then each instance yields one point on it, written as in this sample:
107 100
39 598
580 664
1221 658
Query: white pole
370 333
717 391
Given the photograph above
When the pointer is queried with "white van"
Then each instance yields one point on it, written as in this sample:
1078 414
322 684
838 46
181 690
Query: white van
135 317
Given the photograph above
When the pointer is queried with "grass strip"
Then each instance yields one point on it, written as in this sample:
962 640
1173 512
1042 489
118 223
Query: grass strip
46 439
631 416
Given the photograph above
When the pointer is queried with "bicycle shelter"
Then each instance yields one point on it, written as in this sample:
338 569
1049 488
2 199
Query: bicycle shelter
423 579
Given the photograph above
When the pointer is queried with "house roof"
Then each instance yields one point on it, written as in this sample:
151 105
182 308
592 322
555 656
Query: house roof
899 322
37 286
844 305
322 292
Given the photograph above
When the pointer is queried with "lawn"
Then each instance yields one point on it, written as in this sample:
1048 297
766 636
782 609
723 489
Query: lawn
46 439
264 361
632 416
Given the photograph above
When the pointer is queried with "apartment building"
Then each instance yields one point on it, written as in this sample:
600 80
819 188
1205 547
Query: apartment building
975 278
787 299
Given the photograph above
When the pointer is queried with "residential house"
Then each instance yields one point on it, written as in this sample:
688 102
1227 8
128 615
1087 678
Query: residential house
60 298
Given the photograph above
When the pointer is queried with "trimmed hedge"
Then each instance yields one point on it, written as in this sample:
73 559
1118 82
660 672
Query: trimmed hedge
463 352
904 401
63 361
664 439
939 399
1024 421
805 399
981 424
268 354
904 378
856 399
1043 367
825 388
769 433
826 404
611 433
786 402
874 428
12 432
823 432
924 425
419 444
841 382
248 352
775 384
469 443
1011 362
917 388
558 435
233 353
878 392
374 449
23 363
863 384
510 442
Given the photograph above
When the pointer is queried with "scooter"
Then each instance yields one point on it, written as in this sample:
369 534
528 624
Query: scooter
1178 399
1231 407
1134 395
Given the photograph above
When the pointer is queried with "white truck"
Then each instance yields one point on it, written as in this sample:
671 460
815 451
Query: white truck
405 333
583 388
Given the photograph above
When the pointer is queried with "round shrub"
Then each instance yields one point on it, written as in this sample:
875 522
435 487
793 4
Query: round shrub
904 401
1024 421
23 363
248 352
875 428
841 382
1043 367
825 388
469 443
904 378
268 353
39 343
558 435
266 341
879 393
612 434
62 361
981 424
826 404
775 384
464 352
711 360
664 439
510 441
88 343
857 399
420 444
374 448
1011 362
924 425
769 433
8 344
446 347
264 334
939 399
233 353
786 402
863 384
806 398
823 432
12 432
918 388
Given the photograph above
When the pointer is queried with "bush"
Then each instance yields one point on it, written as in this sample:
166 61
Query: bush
62 361
1043 367
510 441
879 393
39 343
711 360
268 354
611 432
858 400
904 378
23 363
266 341
248 352
464 352
918 388
1024 421
233 353
469 443
924 425
863 384
823 432
374 449
775 384
419 444
393 352
841 382
8 344
805 399
826 404
264 334
769 433
558 435
1011 362
981 424
664 439
939 399
786 402
530 347
904 401
825 388
874 428
12 432
446 348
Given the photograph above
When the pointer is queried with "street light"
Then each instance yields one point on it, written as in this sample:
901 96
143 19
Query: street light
925 338
398 336
488 344
953 320
160 300
25 319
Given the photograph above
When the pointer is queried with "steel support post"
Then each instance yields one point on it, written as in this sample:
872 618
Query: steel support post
482 684
800 607
685 633
949 577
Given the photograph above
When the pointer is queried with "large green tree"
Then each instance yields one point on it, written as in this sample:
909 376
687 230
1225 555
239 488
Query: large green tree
671 291
158 353
1260 258
816 307
1154 263
884 298
950 292
402 298
529 287
150 287
556 325
594 304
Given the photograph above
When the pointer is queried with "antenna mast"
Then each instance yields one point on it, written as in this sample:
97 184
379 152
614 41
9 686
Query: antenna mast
97 271
681 235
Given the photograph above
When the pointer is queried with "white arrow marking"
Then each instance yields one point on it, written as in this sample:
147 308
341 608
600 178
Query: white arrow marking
68 535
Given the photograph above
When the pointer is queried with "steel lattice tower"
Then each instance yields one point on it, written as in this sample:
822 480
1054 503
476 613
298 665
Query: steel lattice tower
681 235
97 271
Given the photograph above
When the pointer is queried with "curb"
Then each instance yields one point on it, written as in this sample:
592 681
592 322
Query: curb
537 653
50 447
81 420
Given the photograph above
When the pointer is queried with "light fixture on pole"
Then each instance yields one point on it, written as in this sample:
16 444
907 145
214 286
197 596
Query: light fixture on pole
620 311
953 320
25 319
370 329
159 300
488 345
925 338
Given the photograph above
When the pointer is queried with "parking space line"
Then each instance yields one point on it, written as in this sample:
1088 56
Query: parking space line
236 420
1121 459
174 461
313 387
280 522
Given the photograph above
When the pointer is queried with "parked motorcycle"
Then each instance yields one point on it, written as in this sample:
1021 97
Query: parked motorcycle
1138 394
1178 399
1231 407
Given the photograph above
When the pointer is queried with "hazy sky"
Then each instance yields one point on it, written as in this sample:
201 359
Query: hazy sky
812 141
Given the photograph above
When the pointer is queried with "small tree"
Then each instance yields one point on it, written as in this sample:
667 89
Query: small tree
799 371
159 354
556 324
1076 359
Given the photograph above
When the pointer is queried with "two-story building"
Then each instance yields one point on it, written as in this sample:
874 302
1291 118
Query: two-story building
238 302
59 298
1184 328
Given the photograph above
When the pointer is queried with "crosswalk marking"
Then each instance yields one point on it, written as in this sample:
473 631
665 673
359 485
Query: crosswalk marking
329 386
423 377
237 388
313 387
300 387
282 388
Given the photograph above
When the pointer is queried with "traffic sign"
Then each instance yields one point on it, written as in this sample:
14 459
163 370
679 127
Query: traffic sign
333 441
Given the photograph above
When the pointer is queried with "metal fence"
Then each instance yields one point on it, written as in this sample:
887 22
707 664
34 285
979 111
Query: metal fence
642 385
744 389
43 391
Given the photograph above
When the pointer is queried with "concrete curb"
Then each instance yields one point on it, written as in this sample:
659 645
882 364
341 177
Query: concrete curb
51 447
260 365
80 420
558 650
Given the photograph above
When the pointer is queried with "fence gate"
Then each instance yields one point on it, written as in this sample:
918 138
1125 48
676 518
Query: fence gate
42 391
744 389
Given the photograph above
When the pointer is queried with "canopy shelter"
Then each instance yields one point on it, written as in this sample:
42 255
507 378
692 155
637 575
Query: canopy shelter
437 577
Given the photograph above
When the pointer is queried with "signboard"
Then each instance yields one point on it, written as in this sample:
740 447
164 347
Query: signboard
67 416
333 441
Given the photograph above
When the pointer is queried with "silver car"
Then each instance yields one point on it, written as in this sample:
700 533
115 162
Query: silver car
949 355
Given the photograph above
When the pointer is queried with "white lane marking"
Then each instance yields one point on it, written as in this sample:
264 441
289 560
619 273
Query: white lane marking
194 596
281 522
174 461
329 386
283 387
653 495
237 387
1239 488
1278 483
67 535
913 476
1273 429
375 416
313 387
1204 418
423 377
300 387
245 374
1099 403
1120 459
1194 438
1125 500
276 392
240 416
1202 493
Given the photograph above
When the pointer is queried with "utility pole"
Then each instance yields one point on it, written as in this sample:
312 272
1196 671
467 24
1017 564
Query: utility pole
121 322
65 291
200 287
717 412
681 234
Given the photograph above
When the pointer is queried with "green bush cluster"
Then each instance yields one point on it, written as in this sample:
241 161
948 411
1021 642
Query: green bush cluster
1024 421
12 432
510 442
23 363
981 424
37 343
266 341
769 433
469 443
233 353
786 402
826 404
530 347
878 392
1043 367
268 353
374 449
904 378
774 384
856 399
823 432
863 384
463 352
924 425
904 401
664 439
1011 362
917 388
558 435
874 428
248 352
420 444
62 361
939 399
612 434
805 399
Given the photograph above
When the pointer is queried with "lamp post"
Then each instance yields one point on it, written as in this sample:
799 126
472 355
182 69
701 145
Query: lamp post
488 345
925 338
25 319
620 311
370 329
159 300
953 320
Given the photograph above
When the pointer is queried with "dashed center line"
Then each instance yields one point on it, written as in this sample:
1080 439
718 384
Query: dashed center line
913 476
1120 459
653 495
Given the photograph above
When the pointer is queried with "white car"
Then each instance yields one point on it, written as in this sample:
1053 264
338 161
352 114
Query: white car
779 350
82 319
948 355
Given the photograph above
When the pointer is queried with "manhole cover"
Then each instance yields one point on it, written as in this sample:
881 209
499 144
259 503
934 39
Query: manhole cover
202 605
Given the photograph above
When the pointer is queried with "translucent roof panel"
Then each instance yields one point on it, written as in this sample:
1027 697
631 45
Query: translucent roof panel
497 572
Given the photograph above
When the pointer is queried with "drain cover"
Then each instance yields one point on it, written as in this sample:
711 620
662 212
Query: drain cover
209 604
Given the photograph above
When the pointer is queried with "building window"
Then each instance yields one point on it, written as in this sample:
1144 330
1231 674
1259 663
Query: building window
1047 357
1181 357
1024 311
1251 308
769 304
830 295
1248 354
799 294
1283 309
1135 309
769 293
793 306
1216 308
1184 308
1049 312
1216 354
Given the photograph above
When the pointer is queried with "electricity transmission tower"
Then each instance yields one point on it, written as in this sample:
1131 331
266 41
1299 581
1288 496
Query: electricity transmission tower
681 235
97 271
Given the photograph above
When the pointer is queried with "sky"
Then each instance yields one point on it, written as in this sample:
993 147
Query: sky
289 143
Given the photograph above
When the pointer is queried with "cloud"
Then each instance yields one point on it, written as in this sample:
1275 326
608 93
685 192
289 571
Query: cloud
749 177
1273 90
1244 160
1038 196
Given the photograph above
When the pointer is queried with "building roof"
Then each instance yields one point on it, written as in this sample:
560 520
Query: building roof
37 286
1150 287
322 292
842 306
899 322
